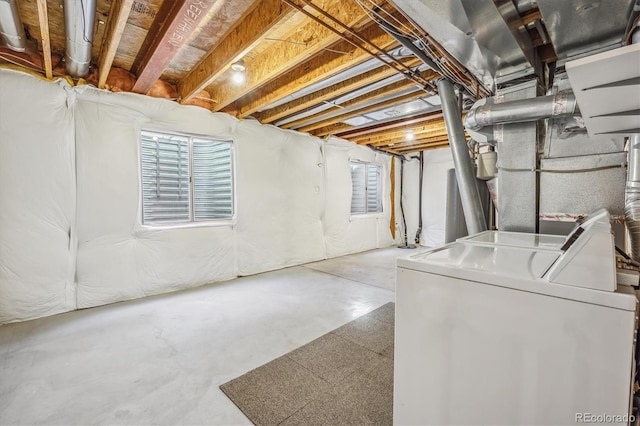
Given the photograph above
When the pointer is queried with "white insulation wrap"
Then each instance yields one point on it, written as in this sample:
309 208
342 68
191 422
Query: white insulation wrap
280 198
346 233
71 233
434 196
37 198
118 258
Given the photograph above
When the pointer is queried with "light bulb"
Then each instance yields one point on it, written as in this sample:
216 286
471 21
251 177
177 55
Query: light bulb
238 78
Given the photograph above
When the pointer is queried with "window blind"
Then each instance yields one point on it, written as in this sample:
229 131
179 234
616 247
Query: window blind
366 184
165 178
212 180
374 201
359 188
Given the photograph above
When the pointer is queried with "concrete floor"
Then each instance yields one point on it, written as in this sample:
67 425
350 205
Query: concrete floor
161 359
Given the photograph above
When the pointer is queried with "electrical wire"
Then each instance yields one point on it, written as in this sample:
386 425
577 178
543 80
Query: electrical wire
84 23
448 71
421 175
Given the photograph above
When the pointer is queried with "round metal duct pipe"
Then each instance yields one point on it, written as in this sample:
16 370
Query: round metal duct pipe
486 113
11 26
632 196
79 16
632 189
469 195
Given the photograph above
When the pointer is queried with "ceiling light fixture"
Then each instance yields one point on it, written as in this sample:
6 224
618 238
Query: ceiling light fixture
238 75
239 66
409 135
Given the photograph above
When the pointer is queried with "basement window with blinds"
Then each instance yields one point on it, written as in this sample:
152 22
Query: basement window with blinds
185 179
366 182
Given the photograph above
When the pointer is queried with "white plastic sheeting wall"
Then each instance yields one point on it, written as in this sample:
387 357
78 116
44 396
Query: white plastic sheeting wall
37 199
347 234
280 198
118 258
70 221
434 196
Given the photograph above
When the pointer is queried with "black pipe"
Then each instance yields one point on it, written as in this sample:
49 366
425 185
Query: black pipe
405 243
404 221
408 43
417 239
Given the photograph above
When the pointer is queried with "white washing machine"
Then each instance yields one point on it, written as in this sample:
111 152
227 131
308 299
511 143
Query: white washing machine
509 328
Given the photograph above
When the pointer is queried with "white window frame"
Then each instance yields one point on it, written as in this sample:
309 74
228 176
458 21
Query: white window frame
191 222
380 190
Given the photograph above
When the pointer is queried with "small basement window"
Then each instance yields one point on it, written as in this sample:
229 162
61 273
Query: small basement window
366 183
185 179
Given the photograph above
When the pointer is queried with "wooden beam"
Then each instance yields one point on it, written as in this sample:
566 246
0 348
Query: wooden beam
417 141
116 22
307 41
347 131
531 16
240 40
369 96
397 141
394 139
414 148
318 68
418 129
388 103
399 150
43 17
175 23
331 92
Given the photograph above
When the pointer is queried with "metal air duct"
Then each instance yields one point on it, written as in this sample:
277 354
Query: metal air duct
471 204
11 26
486 113
79 17
632 189
632 196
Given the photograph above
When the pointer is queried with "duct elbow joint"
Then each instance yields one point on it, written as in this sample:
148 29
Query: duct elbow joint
477 117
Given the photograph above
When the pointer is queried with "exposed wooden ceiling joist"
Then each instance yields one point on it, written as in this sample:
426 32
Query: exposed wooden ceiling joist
43 18
402 143
348 131
305 42
366 97
436 135
318 68
421 147
321 126
328 93
240 40
116 23
351 35
404 138
417 129
176 21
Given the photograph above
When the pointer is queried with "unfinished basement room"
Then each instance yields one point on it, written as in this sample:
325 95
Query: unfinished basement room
319 212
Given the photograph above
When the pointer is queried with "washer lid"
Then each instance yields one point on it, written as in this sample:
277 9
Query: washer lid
516 239
510 267
517 262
